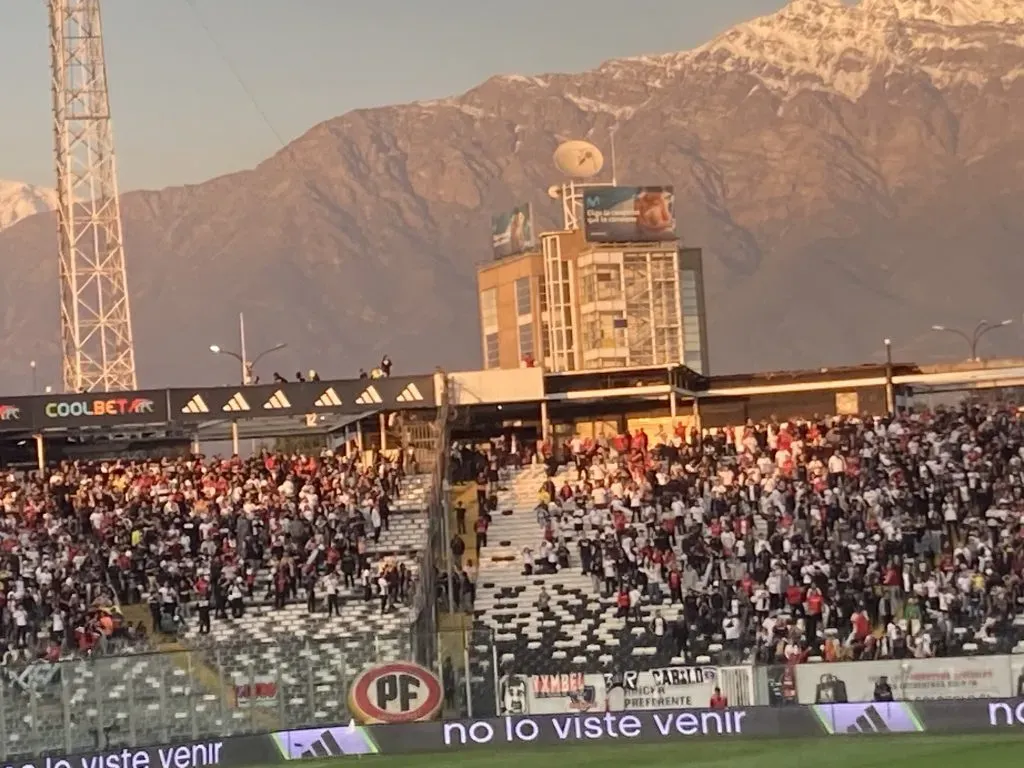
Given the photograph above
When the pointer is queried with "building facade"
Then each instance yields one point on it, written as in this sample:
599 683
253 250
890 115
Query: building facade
572 305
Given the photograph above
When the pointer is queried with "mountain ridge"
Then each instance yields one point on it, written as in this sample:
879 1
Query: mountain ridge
831 217
19 201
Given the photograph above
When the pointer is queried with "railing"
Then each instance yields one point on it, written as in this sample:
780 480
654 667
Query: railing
156 698
425 605
252 687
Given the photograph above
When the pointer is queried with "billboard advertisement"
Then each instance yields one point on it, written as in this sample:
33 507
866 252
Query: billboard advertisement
512 232
629 214
98 409
910 679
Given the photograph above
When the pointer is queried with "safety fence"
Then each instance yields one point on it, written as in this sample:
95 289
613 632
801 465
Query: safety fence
425 606
249 687
149 698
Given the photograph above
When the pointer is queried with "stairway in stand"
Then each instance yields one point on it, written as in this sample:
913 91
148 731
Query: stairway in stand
513 527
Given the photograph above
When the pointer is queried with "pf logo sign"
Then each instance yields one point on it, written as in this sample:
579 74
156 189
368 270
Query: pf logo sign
395 693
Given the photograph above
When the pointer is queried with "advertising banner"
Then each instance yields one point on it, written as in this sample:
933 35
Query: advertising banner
910 679
629 214
16 414
640 726
235 752
327 741
512 232
656 689
99 409
348 396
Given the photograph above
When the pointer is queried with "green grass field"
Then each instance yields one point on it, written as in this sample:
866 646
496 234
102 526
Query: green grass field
907 751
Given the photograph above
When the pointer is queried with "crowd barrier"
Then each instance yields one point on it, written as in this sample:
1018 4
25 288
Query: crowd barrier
946 716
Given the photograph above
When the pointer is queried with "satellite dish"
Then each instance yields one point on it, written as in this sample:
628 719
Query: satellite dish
578 159
555 192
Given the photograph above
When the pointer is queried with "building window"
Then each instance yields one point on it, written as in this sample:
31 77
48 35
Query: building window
489 309
524 304
491 350
526 351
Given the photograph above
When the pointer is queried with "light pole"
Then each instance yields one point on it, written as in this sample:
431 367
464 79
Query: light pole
247 364
35 382
247 368
975 336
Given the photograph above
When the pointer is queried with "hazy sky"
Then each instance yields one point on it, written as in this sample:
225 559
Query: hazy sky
203 87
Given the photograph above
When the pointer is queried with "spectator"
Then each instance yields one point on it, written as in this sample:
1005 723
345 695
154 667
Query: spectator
834 538
184 535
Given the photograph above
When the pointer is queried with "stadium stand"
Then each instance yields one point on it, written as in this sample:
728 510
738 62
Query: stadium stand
821 540
774 542
280 577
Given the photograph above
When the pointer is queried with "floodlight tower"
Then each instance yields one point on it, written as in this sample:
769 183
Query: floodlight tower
96 330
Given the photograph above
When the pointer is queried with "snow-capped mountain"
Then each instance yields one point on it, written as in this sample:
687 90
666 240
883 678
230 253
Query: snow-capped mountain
834 46
853 172
19 201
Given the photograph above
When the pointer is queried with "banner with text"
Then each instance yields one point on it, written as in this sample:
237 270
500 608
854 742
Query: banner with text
641 726
629 214
665 688
910 679
100 409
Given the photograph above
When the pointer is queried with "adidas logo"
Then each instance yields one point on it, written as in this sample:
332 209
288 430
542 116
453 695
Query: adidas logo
236 403
370 396
196 405
325 746
870 721
411 394
277 401
328 399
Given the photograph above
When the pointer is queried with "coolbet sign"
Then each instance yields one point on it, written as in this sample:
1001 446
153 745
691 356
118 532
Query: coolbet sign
121 406
395 693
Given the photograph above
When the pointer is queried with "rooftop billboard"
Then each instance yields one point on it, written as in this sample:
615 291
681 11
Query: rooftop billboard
629 214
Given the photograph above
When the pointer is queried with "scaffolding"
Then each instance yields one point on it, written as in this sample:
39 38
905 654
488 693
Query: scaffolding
629 308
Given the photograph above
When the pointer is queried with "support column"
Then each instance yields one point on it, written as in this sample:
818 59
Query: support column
196 447
696 417
890 392
40 453
359 437
383 431
673 407
545 425
234 438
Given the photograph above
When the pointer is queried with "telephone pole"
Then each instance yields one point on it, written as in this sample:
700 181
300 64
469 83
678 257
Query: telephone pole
97 349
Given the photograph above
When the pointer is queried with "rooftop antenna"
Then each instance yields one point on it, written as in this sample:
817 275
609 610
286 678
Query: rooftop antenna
580 161
611 135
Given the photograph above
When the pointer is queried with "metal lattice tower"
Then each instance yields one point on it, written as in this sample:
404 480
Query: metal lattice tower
96 330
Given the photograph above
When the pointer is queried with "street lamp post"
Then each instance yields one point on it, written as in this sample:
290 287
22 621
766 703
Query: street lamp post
247 368
975 336
246 364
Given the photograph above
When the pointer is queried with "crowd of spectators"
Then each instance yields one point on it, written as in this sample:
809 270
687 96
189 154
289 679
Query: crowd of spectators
196 539
837 538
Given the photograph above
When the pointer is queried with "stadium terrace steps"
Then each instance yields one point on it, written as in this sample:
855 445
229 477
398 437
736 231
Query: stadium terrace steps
580 625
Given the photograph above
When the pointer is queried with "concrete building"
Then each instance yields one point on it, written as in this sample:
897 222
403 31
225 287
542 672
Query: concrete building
574 305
